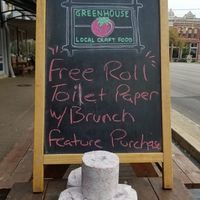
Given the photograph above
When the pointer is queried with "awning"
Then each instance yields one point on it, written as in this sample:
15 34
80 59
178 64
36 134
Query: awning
28 5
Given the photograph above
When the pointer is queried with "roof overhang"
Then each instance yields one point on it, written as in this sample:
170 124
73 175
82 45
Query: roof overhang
28 5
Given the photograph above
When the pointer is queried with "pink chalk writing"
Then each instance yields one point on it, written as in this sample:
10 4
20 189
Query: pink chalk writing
56 139
135 72
119 138
148 54
123 93
114 71
77 115
151 58
58 117
144 73
57 69
54 50
71 91
61 93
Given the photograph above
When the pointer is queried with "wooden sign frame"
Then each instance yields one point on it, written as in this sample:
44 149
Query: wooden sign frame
40 159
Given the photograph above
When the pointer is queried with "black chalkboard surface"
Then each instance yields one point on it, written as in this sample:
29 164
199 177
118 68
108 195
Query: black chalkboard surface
103 76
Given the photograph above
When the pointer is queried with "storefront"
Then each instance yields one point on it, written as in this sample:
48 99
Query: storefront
17 35
22 44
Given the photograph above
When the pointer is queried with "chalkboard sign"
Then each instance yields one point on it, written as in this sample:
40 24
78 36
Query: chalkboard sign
103 85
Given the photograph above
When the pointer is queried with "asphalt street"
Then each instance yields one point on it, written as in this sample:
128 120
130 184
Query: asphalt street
185 89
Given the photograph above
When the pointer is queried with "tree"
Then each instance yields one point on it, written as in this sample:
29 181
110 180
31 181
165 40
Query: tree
175 41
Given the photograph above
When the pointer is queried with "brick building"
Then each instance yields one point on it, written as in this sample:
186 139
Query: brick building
188 27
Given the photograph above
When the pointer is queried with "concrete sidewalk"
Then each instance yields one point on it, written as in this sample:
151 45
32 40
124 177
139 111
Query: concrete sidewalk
16 110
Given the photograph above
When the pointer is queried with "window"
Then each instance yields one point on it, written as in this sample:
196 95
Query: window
189 33
193 53
175 53
193 44
195 31
193 50
184 30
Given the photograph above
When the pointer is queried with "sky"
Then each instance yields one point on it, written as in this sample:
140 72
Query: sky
181 7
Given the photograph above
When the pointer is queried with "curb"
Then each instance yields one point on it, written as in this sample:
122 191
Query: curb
186 133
